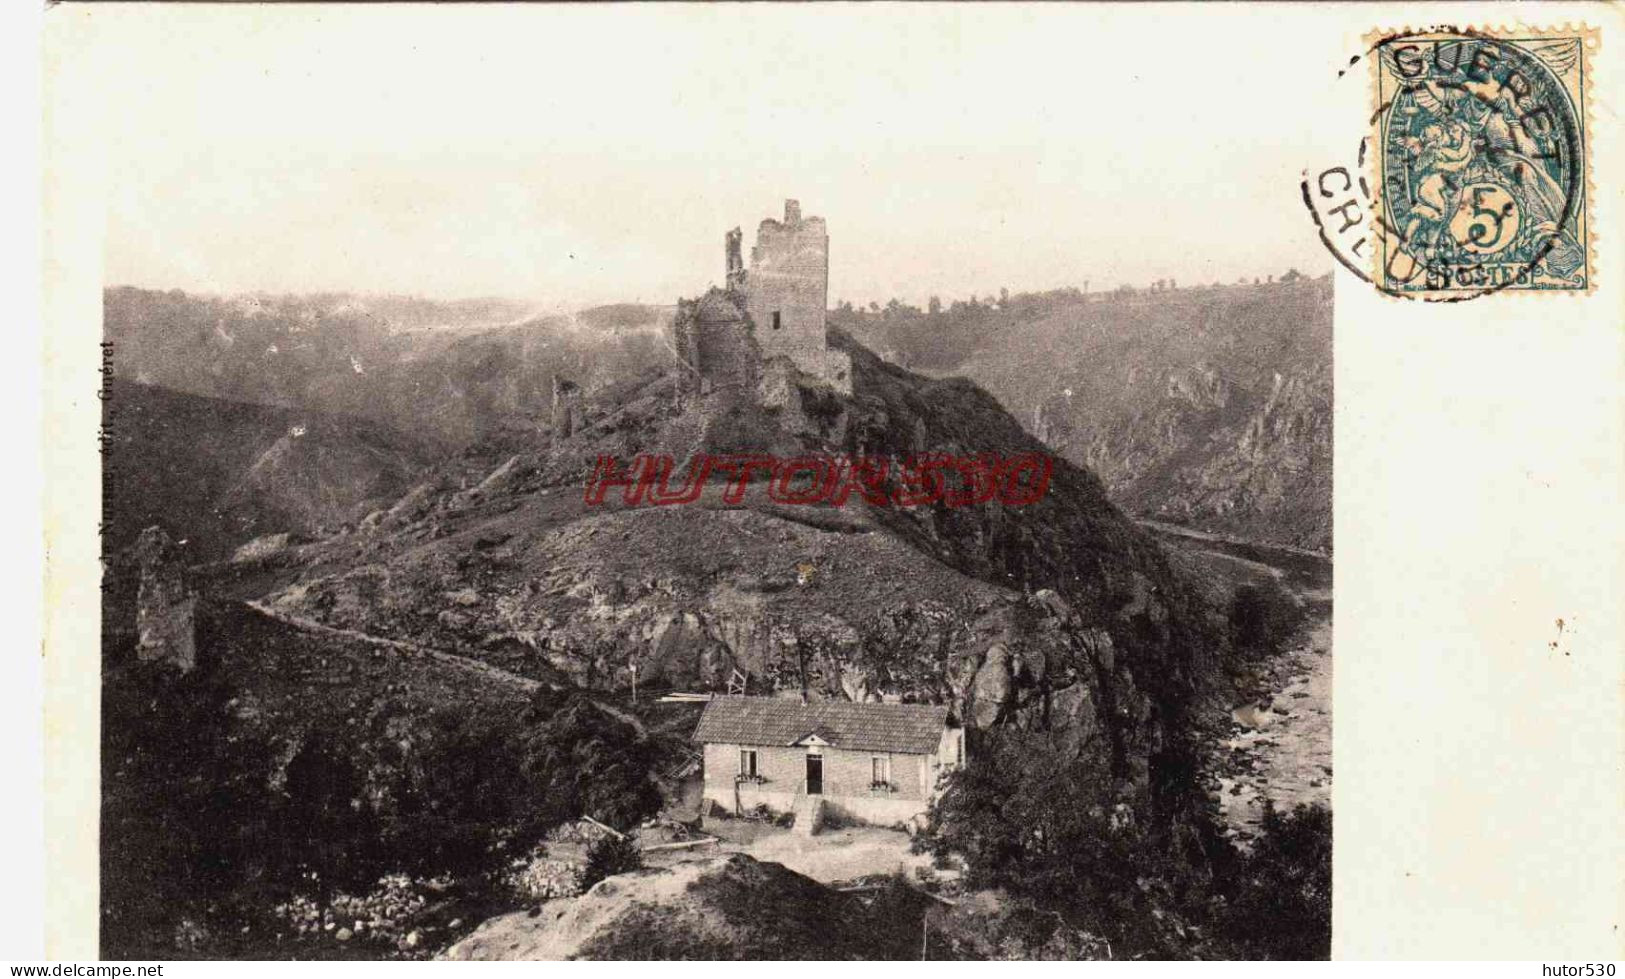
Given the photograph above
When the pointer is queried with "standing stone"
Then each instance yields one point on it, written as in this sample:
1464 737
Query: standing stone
566 408
166 607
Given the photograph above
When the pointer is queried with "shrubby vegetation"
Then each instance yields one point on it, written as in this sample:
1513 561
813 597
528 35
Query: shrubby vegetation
1091 872
207 823
1280 900
608 856
1261 617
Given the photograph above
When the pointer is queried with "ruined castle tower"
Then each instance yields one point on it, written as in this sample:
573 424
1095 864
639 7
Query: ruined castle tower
787 289
768 325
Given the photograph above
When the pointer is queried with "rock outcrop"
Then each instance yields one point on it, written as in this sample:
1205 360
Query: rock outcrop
731 907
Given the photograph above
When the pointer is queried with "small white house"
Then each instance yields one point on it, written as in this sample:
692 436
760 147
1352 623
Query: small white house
877 763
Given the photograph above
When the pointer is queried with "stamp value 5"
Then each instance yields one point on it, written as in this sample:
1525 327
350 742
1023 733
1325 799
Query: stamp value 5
1481 163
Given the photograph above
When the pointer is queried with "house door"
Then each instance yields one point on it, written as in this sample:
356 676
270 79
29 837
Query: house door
815 775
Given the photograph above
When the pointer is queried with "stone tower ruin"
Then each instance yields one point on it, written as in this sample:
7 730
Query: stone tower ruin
769 320
787 289
733 244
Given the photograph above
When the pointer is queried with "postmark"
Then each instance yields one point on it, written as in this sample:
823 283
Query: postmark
1474 174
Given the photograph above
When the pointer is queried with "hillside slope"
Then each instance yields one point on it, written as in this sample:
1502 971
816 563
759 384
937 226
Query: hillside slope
216 473
1208 406
455 372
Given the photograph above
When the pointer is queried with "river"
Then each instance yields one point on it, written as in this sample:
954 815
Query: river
1275 741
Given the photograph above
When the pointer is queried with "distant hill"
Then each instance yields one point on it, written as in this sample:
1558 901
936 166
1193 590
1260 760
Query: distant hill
450 371
217 473
627 316
1207 406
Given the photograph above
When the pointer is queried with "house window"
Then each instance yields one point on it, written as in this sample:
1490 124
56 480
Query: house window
880 767
747 763
775 319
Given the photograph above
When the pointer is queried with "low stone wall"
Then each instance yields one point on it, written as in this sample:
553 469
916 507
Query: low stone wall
878 809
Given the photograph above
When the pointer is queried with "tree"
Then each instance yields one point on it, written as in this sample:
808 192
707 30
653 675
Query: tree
1054 827
1260 617
185 804
325 828
1249 619
608 856
578 760
1280 906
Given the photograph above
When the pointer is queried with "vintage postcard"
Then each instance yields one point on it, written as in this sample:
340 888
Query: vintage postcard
902 482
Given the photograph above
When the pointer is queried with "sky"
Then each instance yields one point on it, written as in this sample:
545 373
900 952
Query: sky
577 155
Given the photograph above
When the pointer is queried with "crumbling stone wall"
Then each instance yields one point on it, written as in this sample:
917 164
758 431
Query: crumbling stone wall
166 606
733 245
796 407
717 342
774 312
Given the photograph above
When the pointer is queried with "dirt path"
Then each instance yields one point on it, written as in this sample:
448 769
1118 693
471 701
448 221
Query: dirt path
1281 747
1213 538
450 659
469 664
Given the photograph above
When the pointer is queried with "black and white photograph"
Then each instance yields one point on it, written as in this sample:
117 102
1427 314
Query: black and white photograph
807 482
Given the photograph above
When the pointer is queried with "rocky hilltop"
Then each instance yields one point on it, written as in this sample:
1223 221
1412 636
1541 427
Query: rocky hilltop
1062 615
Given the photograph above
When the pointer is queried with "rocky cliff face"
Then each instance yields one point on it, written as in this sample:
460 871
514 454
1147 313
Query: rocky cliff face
1210 407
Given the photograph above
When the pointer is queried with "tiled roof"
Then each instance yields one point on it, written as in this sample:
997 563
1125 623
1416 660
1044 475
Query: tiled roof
912 729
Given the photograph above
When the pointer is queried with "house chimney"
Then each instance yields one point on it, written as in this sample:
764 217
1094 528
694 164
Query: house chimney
792 211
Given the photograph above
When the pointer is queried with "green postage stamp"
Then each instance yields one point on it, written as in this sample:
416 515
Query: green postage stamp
1479 146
